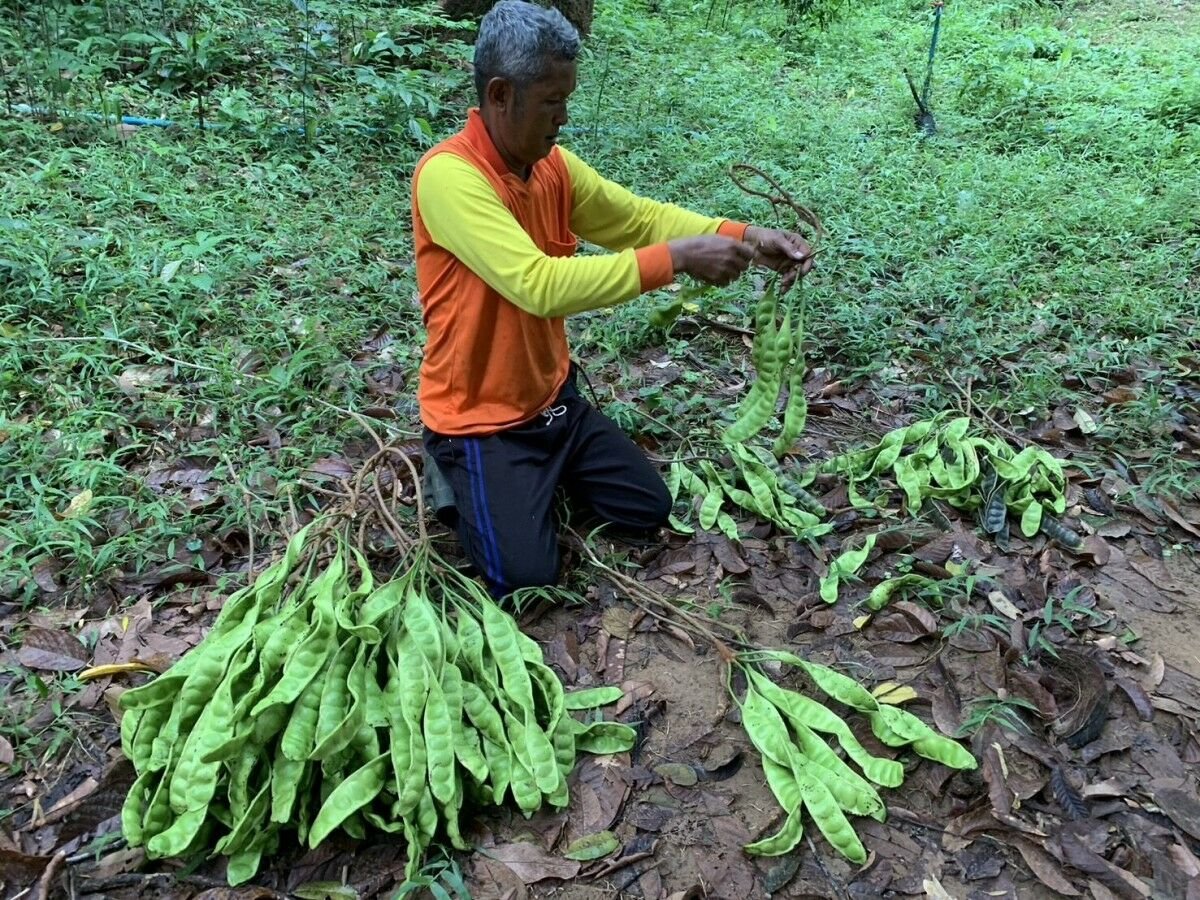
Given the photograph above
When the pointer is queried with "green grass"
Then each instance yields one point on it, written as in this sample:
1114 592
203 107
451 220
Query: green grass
1047 235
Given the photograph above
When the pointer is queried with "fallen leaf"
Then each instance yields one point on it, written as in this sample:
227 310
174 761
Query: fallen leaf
1083 419
934 890
51 651
1156 573
110 669
617 621
894 694
168 271
1122 393
1066 795
1137 696
677 773
778 876
79 505
1003 605
6 751
1176 516
492 880
1047 869
45 574
20 867
722 772
1118 528
1096 547
1077 854
1185 859
1181 807
1158 670
918 614
726 553
531 863
137 378
332 467
633 692
592 846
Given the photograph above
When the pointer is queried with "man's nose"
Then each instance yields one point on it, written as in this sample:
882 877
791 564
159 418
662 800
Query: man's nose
560 117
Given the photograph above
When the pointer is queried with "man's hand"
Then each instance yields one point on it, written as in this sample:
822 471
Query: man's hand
713 259
783 251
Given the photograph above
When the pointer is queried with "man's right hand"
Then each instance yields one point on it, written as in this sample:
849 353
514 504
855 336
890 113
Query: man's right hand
713 259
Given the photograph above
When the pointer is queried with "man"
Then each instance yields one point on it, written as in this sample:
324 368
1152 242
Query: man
496 211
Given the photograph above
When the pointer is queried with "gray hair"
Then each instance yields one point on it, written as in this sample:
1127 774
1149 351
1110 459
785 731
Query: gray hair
517 41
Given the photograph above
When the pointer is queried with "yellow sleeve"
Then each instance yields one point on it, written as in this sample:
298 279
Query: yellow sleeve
614 217
463 214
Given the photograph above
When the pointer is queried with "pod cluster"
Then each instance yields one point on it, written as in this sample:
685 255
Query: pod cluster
322 701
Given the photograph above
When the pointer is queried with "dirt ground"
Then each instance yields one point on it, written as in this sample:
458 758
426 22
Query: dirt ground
1074 678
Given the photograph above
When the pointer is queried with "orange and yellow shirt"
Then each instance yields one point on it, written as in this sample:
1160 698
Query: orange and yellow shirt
497 274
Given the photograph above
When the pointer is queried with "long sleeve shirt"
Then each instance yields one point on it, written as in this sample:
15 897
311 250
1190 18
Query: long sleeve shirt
496 272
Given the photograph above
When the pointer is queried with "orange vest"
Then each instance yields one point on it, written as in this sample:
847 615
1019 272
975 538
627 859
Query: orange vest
489 365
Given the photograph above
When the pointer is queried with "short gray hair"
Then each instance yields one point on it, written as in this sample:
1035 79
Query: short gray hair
518 40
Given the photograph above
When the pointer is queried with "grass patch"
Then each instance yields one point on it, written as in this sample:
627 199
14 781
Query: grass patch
180 309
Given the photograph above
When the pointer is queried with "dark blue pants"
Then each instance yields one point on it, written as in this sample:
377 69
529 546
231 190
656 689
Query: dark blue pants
504 487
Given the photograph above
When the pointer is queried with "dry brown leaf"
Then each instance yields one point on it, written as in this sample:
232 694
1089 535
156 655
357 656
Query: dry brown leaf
995 774
1003 605
245 892
333 467
1097 548
618 622
599 789
135 379
51 651
1118 528
1122 393
1047 869
20 868
1077 854
66 804
1100 892
726 553
1113 787
678 633
491 880
531 863
1137 696
1156 573
6 751
1181 807
934 890
45 574
1185 859
634 692
918 614
1158 669
1175 515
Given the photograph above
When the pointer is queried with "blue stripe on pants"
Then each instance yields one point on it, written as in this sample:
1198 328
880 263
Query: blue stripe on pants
491 547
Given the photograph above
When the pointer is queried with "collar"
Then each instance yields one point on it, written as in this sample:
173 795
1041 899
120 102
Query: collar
477 134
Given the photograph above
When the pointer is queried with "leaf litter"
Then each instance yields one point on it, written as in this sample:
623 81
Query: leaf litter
1086 736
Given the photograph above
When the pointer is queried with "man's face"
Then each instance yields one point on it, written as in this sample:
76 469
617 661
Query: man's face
528 120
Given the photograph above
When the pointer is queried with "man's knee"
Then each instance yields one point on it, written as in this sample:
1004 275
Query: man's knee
531 570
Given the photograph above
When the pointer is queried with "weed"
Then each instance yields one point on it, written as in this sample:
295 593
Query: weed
1002 712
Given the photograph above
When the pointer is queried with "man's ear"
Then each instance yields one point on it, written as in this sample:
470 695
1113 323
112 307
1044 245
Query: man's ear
500 93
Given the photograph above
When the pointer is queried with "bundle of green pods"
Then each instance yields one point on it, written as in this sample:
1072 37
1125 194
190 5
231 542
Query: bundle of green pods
803 771
321 701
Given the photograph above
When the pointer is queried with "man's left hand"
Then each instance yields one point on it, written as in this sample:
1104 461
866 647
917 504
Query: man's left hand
783 251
